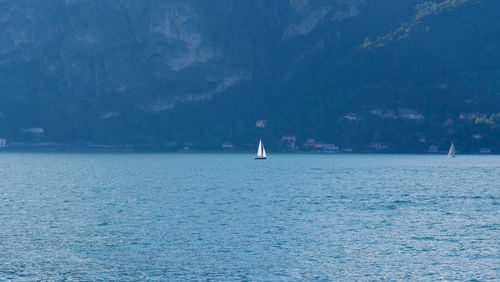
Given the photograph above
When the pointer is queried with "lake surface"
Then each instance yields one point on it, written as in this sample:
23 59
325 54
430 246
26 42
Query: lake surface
91 216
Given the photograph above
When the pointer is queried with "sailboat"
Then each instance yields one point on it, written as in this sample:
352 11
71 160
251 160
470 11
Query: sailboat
451 153
261 152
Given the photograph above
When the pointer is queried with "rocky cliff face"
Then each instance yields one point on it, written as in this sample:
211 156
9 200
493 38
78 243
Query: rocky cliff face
161 51
163 48
94 70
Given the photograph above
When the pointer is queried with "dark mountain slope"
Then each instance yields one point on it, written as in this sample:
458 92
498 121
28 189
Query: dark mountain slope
447 64
367 75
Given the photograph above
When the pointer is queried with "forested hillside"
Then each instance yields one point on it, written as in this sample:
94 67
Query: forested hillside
365 75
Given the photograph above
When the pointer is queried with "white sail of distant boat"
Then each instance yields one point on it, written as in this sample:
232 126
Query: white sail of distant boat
452 153
261 152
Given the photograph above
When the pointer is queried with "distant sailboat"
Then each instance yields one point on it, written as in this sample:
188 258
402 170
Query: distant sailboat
261 152
451 153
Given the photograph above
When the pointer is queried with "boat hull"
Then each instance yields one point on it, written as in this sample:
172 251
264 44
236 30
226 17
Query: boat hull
259 158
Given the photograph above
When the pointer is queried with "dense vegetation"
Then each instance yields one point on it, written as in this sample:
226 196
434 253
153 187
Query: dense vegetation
398 76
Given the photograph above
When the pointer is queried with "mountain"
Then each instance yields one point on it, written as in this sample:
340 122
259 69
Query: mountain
366 75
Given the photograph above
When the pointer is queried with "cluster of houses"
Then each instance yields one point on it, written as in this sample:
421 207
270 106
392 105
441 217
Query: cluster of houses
34 130
289 143
312 145
387 114
261 123
472 116
435 149
410 114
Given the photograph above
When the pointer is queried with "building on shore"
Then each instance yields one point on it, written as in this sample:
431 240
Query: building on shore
289 143
484 150
3 143
410 114
228 145
312 145
329 148
472 116
261 123
433 149
34 130
379 146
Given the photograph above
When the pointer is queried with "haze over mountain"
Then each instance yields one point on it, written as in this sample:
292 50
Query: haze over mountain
366 75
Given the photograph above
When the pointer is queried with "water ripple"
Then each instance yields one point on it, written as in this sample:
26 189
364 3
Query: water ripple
226 217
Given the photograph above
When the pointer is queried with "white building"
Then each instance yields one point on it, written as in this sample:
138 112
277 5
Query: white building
261 123
34 130
410 114
329 148
351 116
472 116
228 145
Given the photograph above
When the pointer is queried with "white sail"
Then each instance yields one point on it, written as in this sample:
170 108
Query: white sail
451 153
261 151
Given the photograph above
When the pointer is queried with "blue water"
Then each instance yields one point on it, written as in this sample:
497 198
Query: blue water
91 216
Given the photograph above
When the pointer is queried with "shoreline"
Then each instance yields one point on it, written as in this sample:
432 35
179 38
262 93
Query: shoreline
129 149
